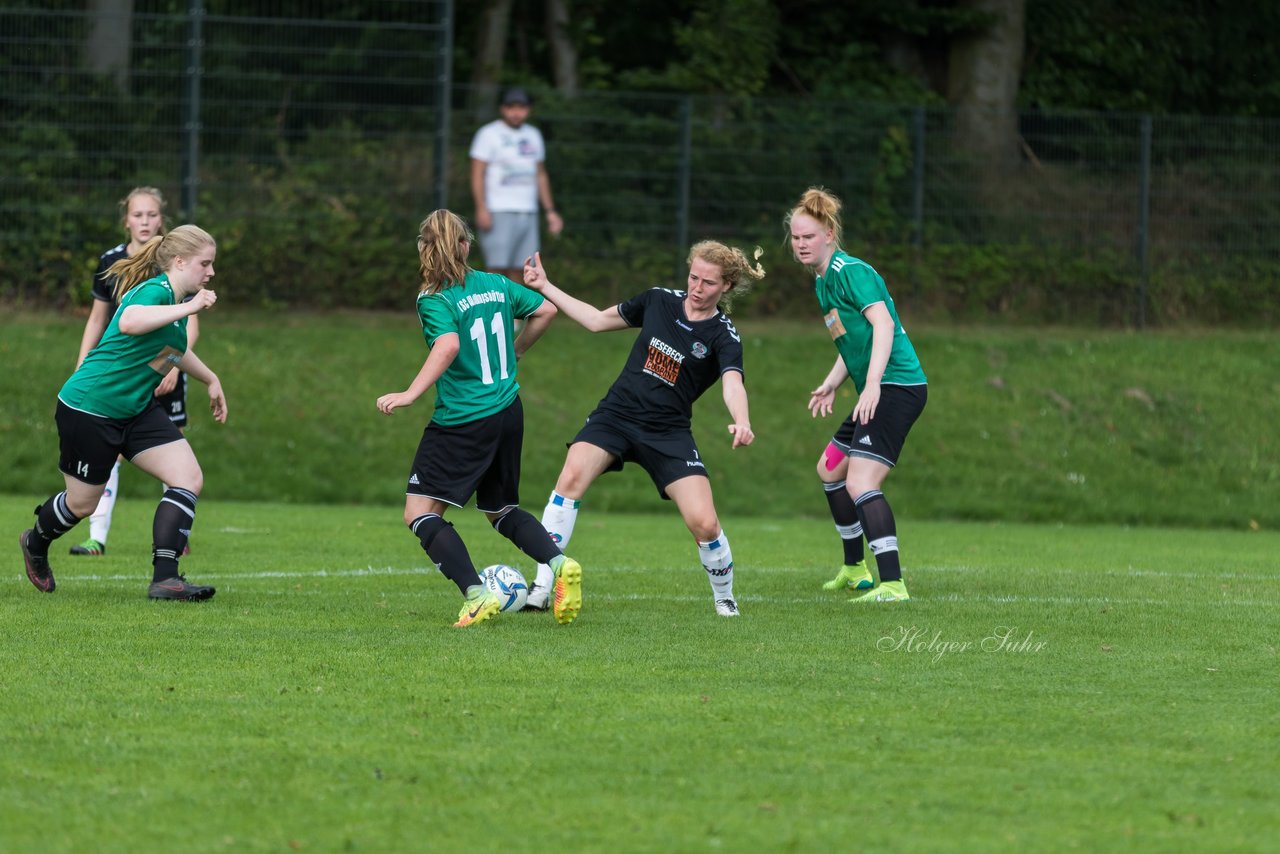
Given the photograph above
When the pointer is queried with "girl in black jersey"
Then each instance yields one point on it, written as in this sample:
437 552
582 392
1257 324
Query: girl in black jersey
686 344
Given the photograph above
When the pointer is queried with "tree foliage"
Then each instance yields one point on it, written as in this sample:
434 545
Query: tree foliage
1209 57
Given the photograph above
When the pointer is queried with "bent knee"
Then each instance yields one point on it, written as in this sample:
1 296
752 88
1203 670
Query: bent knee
82 507
705 530
192 481
832 464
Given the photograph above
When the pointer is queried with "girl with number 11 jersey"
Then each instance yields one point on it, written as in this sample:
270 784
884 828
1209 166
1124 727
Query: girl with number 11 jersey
473 443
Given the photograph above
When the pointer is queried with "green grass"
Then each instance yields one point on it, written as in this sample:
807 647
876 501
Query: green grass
321 702
1170 428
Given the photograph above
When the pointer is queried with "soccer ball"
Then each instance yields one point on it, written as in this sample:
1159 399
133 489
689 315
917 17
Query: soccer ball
507 584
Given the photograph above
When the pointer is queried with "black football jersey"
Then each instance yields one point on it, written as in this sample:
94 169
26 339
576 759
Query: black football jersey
104 285
673 361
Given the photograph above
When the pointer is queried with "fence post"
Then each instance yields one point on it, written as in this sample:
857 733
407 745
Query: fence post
1144 217
917 177
444 80
684 178
191 125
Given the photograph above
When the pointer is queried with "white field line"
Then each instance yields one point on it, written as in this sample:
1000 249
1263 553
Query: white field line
745 572
229 582
1079 601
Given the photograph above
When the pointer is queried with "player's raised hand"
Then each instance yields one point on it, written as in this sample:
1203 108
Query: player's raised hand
535 275
202 299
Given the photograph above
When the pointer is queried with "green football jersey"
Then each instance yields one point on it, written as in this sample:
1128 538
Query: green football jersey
482 379
849 286
118 378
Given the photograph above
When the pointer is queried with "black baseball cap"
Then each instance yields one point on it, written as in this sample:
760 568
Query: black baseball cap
516 95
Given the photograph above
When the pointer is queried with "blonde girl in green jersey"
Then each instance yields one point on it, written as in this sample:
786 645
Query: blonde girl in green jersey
142 215
473 442
107 408
875 352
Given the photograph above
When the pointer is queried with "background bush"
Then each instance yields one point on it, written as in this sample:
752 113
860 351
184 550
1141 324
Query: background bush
1045 425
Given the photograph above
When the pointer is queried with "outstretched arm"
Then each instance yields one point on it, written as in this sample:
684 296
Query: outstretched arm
141 319
584 314
735 399
443 352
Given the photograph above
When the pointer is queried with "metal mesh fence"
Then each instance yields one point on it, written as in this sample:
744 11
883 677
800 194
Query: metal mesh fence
297 127
309 136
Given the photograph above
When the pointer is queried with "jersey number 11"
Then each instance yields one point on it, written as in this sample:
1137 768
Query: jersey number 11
498 328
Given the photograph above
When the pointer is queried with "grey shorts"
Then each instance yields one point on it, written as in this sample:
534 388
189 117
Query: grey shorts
513 238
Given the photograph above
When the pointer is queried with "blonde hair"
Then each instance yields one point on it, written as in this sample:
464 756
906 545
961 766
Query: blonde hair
823 206
142 191
442 258
157 256
733 264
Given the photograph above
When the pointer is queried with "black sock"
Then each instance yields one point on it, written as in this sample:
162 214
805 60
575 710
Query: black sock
169 531
882 533
53 519
528 535
447 551
845 515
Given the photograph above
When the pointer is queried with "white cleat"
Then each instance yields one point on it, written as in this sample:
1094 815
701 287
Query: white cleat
539 597
727 608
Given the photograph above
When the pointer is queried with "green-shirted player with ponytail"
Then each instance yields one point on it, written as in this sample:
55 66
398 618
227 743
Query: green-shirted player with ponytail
473 443
108 408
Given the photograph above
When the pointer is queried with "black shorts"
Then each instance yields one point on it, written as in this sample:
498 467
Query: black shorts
667 455
882 438
175 402
480 458
89 444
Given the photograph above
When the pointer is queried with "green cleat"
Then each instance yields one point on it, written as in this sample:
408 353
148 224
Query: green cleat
479 606
854 577
567 601
90 547
890 591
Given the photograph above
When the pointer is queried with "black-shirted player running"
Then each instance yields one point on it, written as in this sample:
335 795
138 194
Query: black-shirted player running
472 444
686 343
107 408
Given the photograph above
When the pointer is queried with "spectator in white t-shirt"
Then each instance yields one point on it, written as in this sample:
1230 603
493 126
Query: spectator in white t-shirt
508 180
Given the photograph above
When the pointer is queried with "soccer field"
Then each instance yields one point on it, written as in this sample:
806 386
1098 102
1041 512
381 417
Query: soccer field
1048 687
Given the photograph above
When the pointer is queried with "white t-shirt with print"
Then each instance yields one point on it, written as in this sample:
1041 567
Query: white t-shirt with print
513 155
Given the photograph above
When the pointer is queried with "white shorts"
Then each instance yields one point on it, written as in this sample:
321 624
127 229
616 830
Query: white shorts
513 238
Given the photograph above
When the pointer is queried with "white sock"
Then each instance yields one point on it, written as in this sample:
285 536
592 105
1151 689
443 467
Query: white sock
717 560
558 517
100 521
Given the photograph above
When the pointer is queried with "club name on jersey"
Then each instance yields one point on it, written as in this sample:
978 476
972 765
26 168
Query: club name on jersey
663 361
479 299
665 349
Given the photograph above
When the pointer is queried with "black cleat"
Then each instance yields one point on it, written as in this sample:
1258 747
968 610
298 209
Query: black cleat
179 588
38 569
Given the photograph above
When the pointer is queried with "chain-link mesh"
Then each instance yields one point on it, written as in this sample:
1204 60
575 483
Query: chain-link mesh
304 135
